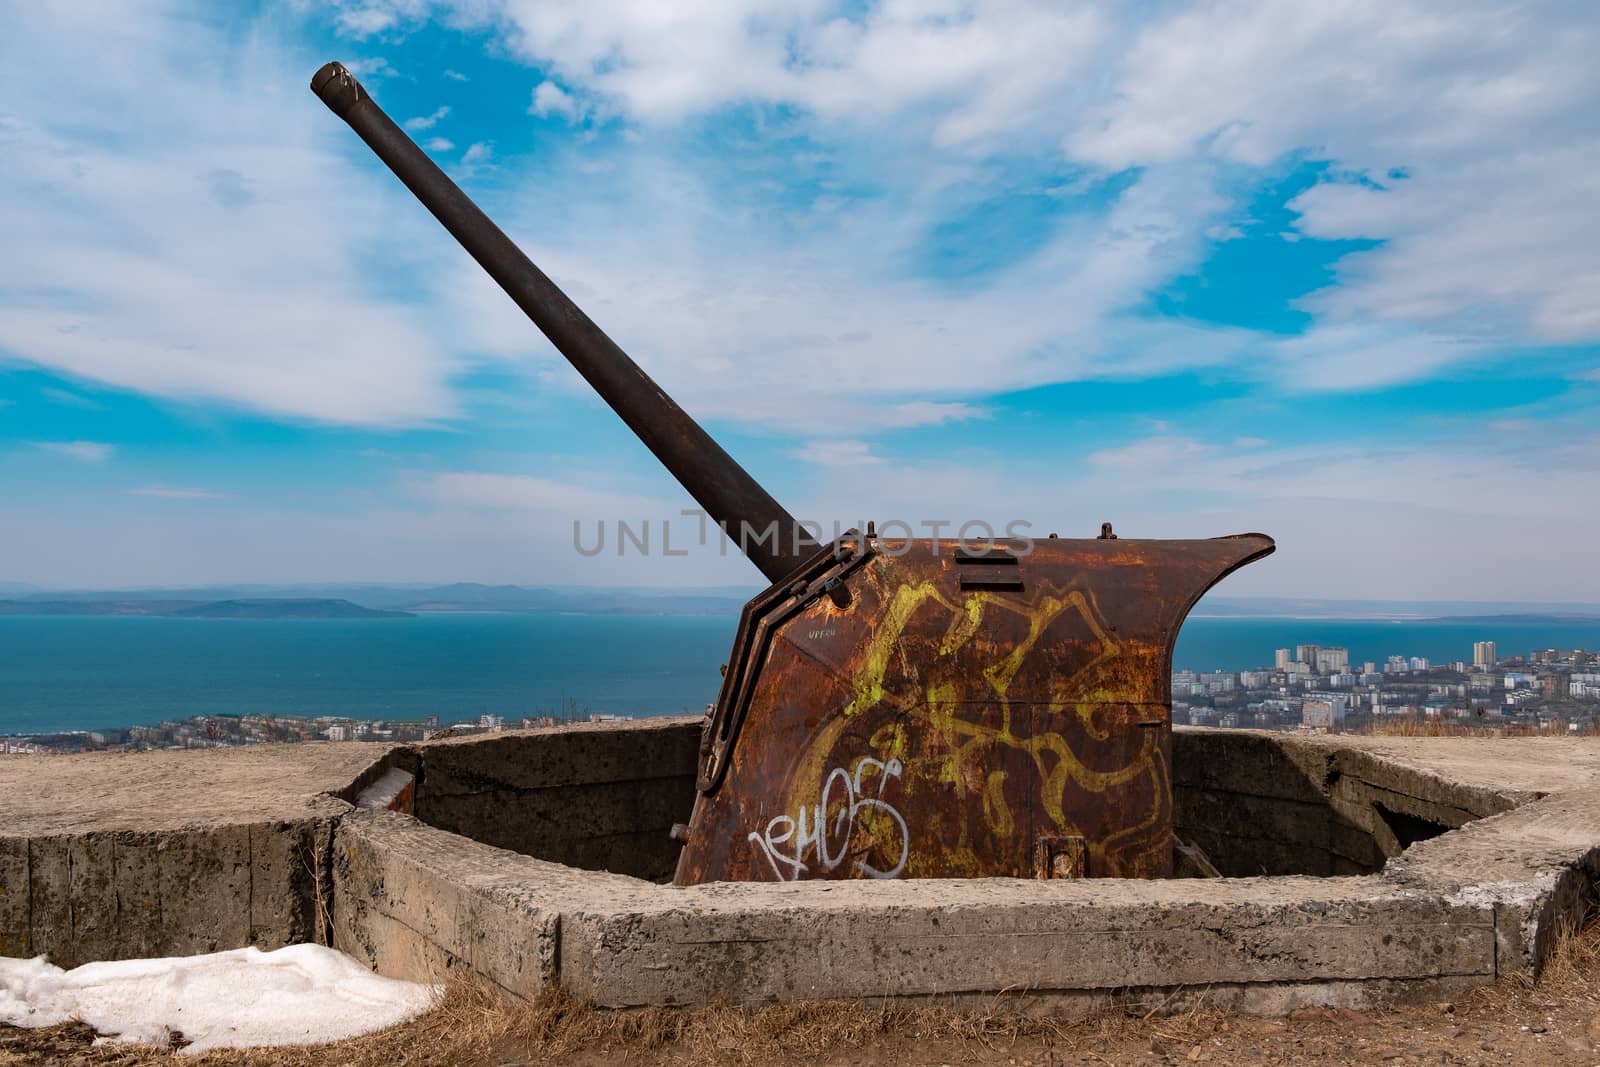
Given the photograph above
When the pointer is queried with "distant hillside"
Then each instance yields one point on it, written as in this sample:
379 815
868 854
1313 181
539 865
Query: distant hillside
43 606
1522 617
536 600
264 608
457 597
285 609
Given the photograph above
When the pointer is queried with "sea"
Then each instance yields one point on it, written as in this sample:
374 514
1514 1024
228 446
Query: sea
97 672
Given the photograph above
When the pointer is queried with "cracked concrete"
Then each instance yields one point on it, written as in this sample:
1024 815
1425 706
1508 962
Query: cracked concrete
110 856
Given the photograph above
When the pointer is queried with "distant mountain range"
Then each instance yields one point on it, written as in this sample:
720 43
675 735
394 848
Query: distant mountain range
265 608
373 601
379 601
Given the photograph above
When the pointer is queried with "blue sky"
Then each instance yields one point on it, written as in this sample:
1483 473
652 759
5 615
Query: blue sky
1324 271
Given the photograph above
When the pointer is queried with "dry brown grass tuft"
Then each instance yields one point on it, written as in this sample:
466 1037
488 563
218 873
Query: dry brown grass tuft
1420 726
1574 958
554 1026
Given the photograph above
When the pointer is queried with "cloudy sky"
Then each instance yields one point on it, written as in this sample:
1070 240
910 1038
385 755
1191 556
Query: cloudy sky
1328 271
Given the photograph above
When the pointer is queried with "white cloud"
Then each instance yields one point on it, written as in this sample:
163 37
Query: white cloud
978 72
1151 452
130 263
478 157
428 122
550 99
927 413
1488 110
174 492
518 492
456 76
1491 237
826 289
1345 357
80 451
834 452
816 326
439 144
365 21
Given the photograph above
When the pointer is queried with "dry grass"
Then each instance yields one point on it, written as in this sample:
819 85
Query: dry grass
1571 971
473 1026
1420 726
554 1026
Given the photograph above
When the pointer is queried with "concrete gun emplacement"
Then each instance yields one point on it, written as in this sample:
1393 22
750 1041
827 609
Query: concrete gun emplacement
892 707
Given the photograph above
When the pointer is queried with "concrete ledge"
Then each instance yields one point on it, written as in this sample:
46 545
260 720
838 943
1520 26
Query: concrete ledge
166 853
414 902
866 940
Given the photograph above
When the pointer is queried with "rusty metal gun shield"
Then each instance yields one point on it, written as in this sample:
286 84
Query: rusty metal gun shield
918 709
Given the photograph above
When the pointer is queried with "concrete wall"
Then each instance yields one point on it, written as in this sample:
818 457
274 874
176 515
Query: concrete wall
415 902
131 894
1275 804
604 798
596 798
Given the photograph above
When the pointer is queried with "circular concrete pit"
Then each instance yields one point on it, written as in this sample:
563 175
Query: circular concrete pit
1354 868
1325 901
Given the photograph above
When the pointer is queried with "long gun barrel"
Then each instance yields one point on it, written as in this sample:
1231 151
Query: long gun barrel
727 492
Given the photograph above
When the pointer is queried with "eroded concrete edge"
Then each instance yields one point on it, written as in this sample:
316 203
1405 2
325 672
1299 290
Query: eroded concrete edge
413 900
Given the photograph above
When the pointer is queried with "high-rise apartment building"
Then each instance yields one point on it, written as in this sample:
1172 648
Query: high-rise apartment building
1281 659
1483 655
1332 660
1324 712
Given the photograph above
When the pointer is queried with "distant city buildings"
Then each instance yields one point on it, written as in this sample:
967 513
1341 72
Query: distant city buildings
1312 687
1332 660
223 731
1324 712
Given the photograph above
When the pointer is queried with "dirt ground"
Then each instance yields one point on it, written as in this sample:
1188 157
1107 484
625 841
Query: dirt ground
1556 1021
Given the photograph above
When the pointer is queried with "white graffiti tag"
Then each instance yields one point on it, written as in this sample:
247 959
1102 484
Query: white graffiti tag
826 828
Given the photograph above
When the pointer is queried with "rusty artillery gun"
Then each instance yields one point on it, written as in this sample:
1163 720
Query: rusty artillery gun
892 707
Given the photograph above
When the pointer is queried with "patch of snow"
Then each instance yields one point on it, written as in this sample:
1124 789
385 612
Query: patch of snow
300 995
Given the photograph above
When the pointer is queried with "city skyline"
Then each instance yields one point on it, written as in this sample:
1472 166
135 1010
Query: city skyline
994 262
1316 688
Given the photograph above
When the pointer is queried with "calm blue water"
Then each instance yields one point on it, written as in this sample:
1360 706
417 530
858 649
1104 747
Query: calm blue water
101 671
92 672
